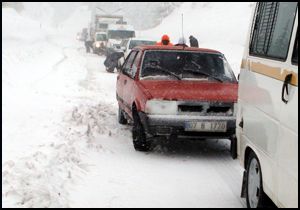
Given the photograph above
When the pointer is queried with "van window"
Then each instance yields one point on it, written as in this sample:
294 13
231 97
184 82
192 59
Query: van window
273 28
295 53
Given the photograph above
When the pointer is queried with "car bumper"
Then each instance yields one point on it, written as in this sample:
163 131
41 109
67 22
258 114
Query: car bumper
167 125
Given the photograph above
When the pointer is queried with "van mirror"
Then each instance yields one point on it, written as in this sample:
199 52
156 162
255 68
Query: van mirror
238 77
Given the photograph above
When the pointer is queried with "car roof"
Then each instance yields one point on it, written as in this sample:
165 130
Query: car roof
159 47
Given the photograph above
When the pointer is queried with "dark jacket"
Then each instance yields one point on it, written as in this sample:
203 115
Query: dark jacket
193 42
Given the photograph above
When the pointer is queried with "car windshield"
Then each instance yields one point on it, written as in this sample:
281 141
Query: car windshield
101 37
186 65
134 43
120 34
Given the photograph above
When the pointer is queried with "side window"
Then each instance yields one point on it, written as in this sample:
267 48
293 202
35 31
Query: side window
136 63
295 52
272 29
127 68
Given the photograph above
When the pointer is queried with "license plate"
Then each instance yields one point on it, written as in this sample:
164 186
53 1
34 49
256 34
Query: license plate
206 126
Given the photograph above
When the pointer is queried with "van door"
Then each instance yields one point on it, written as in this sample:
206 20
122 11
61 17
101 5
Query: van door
288 134
269 122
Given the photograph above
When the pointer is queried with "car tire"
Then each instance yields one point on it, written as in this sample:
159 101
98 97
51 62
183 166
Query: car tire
140 142
255 196
121 118
233 147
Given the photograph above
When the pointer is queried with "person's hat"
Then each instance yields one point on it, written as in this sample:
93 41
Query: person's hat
165 37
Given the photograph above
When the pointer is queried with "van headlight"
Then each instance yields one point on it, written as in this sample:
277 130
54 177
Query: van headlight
162 107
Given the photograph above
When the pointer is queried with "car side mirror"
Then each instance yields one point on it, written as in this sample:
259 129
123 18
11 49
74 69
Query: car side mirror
238 77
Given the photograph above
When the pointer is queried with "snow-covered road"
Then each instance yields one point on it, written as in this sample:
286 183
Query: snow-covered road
91 161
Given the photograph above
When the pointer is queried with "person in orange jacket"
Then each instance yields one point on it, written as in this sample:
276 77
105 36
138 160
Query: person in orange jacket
165 40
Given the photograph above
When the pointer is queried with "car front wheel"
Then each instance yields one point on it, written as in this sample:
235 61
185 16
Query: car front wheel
121 118
140 142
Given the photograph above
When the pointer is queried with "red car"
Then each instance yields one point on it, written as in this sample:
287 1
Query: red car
177 91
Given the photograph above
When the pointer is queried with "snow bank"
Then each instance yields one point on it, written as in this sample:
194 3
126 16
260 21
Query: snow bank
218 25
38 152
17 27
42 12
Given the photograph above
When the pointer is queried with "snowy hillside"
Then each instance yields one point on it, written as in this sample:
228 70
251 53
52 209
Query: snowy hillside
220 26
62 144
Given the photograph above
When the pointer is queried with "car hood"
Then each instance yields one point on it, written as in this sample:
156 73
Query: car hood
191 90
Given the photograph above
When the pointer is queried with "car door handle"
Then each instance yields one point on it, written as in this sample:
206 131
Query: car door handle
287 80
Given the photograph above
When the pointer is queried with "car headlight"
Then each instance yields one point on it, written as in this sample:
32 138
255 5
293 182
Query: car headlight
97 44
162 107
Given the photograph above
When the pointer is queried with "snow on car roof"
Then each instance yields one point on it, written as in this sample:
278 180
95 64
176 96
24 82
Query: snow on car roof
159 47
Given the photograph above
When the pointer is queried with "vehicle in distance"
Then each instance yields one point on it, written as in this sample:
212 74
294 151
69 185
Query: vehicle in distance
128 44
100 43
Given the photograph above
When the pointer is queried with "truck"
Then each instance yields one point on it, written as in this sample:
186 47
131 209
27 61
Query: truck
118 32
99 30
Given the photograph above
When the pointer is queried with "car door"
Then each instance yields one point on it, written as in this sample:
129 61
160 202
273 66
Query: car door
129 91
124 82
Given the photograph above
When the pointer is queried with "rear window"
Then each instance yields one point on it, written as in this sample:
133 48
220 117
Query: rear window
135 43
186 65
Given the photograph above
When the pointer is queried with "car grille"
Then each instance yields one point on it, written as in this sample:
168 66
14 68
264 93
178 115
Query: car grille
206 108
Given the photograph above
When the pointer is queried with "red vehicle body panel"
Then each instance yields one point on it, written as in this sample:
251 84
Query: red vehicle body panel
134 91
191 90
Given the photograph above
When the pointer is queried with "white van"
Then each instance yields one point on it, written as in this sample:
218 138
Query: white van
267 116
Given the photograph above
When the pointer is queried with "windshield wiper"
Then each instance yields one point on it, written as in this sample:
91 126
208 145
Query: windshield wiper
168 72
201 72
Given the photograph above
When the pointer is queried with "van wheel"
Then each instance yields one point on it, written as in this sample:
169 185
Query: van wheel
121 118
255 196
140 142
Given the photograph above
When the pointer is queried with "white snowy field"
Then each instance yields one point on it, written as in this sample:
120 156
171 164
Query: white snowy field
62 145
